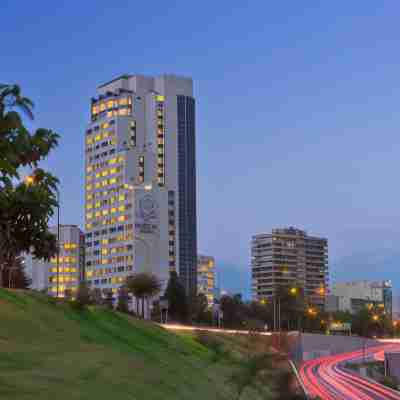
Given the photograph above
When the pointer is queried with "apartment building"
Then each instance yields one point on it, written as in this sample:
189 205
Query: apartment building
289 257
206 277
62 277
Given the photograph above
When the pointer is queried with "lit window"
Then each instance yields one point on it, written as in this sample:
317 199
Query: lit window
97 185
105 212
121 197
89 206
97 138
121 218
121 208
89 187
105 172
112 181
113 210
123 101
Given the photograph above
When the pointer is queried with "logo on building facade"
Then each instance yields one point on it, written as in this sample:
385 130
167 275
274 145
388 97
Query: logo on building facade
146 216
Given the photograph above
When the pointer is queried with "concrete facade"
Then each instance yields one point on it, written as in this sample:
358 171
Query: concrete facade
289 257
141 181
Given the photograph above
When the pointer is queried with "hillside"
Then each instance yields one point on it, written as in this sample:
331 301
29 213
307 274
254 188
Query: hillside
48 350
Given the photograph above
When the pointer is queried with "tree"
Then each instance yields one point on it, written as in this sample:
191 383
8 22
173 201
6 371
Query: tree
123 299
83 296
233 311
97 297
15 276
199 310
177 300
143 286
25 209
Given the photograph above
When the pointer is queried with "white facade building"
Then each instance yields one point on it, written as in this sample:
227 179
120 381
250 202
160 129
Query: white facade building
45 275
351 296
141 181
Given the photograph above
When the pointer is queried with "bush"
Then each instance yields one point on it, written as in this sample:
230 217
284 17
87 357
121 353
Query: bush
213 344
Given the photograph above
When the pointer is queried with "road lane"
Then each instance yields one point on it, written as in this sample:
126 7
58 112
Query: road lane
327 378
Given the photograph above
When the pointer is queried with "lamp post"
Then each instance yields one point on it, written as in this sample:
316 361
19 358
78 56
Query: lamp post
58 241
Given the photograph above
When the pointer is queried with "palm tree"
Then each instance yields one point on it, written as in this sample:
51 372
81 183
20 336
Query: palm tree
10 97
143 286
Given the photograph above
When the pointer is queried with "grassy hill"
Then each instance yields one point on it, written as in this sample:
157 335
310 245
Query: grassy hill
49 350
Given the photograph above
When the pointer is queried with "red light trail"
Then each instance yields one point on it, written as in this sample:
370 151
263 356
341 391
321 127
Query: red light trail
328 378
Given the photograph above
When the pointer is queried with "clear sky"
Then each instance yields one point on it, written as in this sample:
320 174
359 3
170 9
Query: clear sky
297 111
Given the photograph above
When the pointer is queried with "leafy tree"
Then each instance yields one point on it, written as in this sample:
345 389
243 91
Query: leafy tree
233 310
15 276
123 300
292 306
199 310
143 286
68 294
177 300
97 297
83 296
25 209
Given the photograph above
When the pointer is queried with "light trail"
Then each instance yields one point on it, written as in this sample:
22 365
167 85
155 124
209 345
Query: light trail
177 327
327 378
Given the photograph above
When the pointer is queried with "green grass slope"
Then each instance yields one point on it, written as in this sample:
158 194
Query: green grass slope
49 350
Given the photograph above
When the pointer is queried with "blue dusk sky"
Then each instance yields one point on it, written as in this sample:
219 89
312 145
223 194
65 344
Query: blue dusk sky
297 112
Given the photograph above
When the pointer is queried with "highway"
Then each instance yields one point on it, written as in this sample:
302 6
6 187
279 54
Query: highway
327 378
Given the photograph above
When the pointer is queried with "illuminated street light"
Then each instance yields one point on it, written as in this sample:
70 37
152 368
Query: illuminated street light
311 311
293 291
29 180
375 317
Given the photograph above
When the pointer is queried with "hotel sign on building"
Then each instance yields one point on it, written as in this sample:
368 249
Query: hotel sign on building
147 214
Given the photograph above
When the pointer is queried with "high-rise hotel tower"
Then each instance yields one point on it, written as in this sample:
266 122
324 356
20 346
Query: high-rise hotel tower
141 181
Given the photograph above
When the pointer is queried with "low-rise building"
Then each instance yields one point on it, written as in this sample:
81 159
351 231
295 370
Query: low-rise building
206 277
62 277
355 295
